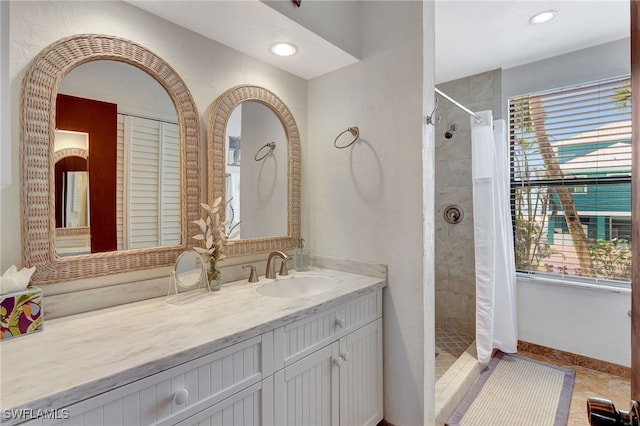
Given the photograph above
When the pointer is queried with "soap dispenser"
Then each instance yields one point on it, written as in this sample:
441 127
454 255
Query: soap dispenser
301 256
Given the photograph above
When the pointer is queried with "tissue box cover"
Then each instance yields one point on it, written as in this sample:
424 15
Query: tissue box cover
20 313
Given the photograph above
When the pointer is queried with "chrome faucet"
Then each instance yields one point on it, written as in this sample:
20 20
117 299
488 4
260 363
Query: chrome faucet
270 272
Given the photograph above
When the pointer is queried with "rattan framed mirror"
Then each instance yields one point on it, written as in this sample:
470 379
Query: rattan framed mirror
37 115
217 156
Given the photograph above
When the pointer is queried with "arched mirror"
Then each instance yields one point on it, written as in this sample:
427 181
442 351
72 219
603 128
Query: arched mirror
131 203
254 164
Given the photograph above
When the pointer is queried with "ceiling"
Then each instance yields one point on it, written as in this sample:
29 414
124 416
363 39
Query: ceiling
478 36
251 27
472 36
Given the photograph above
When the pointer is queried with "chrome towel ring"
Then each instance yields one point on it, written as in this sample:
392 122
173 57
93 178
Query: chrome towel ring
270 147
355 132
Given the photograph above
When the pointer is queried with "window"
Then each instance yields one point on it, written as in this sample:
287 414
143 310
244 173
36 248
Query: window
571 180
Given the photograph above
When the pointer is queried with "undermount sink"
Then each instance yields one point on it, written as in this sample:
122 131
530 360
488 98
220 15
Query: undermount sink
297 286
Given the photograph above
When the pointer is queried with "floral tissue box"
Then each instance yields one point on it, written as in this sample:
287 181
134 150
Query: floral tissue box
20 313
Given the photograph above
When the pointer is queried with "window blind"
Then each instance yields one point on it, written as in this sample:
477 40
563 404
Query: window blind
571 180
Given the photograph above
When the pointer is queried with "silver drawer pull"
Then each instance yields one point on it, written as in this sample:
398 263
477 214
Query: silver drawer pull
180 396
338 361
339 322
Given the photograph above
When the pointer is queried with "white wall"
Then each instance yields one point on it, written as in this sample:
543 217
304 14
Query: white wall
595 63
575 319
366 202
588 321
5 135
207 67
428 218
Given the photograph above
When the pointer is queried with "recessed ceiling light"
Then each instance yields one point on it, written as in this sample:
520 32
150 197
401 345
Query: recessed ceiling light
543 17
283 48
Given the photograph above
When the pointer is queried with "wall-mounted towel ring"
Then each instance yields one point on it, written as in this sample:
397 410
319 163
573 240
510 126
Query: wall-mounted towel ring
270 147
355 132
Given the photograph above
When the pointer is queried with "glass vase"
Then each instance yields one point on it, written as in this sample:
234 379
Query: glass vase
213 275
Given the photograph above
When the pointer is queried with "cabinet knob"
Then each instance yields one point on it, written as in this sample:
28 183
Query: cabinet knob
345 356
339 322
180 396
338 361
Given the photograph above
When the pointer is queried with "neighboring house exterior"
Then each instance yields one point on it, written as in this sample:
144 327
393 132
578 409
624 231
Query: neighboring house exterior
599 164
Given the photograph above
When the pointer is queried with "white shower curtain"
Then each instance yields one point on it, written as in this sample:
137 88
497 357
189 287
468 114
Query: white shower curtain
496 322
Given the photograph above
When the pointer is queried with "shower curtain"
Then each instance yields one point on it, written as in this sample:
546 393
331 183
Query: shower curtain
496 322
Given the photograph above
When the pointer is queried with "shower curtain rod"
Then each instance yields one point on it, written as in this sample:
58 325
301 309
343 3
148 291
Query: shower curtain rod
458 104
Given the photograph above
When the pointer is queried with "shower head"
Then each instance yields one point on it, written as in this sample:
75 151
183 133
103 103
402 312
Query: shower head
452 129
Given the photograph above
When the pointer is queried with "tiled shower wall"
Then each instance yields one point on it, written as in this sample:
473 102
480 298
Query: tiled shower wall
455 269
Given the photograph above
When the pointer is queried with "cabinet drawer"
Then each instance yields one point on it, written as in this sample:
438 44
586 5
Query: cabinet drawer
177 393
250 407
298 339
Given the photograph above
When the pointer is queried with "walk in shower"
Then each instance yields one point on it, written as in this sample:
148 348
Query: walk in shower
455 288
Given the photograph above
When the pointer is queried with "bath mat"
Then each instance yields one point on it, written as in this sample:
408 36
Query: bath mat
513 390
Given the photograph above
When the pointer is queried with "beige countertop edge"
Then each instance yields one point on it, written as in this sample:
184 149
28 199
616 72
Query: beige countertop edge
23 388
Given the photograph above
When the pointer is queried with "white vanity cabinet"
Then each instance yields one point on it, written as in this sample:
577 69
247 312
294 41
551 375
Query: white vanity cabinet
323 368
341 382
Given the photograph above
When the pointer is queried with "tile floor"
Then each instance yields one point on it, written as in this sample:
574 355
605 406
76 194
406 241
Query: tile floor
590 383
449 346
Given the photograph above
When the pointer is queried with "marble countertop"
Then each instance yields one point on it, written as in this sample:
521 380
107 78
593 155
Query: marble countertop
83 355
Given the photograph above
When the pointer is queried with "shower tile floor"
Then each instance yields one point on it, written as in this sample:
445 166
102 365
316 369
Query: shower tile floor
449 346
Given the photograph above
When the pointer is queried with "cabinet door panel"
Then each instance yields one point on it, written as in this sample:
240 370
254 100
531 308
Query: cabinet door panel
306 392
361 376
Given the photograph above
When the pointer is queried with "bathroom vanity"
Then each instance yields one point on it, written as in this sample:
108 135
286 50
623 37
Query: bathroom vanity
249 354
231 357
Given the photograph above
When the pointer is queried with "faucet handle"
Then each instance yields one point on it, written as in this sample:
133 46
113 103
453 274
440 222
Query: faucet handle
253 275
283 267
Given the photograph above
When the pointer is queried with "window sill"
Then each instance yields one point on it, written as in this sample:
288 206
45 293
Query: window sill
606 286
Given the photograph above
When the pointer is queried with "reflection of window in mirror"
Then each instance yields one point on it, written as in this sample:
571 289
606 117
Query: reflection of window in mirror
71 195
71 179
233 148
75 199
